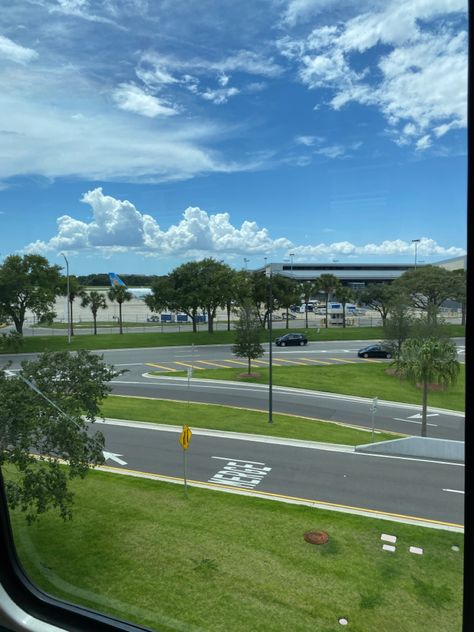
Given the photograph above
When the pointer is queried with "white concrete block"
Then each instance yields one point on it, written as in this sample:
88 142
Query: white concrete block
388 538
388 547
415 549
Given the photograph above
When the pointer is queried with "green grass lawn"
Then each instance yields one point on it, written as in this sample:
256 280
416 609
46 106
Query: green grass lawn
363 380
218 417
138 550
33 344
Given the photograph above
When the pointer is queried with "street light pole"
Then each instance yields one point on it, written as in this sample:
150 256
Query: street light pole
416 242
67 299
268 272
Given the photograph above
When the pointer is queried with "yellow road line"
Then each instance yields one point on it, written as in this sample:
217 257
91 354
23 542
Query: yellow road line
316 361
238 362
272 495
292 361
341 360
160 366
190 366
221 366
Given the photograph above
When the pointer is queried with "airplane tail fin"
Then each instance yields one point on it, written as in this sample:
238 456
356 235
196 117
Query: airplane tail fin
115 280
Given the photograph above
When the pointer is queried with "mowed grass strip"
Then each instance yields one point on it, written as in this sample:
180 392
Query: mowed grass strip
217 417
138 550
361 379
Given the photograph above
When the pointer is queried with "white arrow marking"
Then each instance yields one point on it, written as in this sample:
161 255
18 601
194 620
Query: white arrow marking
455 491
419 415
410 421
113 457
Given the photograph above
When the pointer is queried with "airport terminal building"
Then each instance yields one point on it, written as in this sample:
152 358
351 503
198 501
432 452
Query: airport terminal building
355 275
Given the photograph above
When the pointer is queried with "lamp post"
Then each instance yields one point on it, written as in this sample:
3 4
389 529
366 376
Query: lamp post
246 262
268 273
416 242
67 299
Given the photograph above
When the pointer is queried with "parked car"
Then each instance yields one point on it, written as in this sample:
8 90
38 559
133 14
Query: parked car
153 319
291 339
374 351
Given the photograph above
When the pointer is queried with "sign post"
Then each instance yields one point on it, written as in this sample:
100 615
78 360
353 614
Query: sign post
373 409
184 439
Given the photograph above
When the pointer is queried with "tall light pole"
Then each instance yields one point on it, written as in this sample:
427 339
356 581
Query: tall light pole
268 273
67 299
246 262
416 242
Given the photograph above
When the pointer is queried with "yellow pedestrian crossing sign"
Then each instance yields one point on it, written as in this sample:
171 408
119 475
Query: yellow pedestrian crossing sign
185 437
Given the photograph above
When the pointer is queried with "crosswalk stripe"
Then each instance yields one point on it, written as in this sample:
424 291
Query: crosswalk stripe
341 360
292 361
238 362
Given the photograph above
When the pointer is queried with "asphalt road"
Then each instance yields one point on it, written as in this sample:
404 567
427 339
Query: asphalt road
401 418
409 487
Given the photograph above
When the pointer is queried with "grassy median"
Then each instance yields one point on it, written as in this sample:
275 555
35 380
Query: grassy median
58 342
361 379
138 550
218 417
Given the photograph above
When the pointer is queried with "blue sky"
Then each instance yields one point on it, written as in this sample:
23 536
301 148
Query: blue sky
136 135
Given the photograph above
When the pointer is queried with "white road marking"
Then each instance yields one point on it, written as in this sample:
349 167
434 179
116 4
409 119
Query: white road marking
412 421
455 491
419 415
110 456
225 458
240 473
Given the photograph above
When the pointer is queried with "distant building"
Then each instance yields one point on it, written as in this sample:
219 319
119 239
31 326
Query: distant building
355 275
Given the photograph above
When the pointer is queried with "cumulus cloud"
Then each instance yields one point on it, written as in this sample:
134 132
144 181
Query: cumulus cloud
14 52
426 247
133 99
419 84
221 95
117 225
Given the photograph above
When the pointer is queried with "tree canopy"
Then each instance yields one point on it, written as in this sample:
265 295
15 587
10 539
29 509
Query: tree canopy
44 412
428 287
28 283
247 335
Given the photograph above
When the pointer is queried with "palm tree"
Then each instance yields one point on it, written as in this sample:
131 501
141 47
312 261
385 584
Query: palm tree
95 301
75 290
327 284
344 295
308 289
426 361
120 294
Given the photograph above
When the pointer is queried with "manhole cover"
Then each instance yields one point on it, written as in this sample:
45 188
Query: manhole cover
316 537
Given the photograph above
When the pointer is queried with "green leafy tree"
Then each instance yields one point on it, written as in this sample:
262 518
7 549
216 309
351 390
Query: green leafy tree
214 280
328 283
239 292
381 297
43 424
344 295
247 335
184 294
428 287
95 301
27 283
459 278
398 327
121 295
428 361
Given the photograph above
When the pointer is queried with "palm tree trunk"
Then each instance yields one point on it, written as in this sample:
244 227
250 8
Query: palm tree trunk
424 408
287 317
94 316
306 313
228 316
120 318
327 315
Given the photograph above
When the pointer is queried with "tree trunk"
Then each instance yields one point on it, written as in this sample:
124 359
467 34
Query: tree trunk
250 365
306 313
193 318
343 315
210 321
120 318
18 325
327 315
463 314
228 316
287 317
425 406
94 316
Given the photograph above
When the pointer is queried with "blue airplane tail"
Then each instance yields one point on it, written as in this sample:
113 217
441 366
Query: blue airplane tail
115 280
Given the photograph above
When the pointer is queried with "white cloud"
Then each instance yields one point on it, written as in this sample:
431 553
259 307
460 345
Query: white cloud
118 226
14 52
308 141
219 96
424 142
420 84
426 247
133 99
